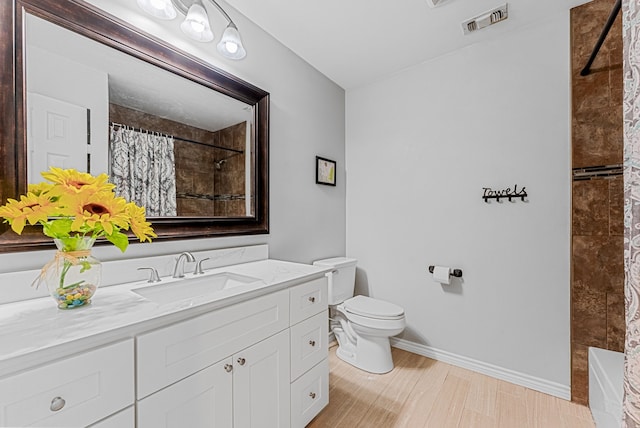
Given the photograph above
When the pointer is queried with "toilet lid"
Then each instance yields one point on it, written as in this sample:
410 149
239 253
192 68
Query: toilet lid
373 308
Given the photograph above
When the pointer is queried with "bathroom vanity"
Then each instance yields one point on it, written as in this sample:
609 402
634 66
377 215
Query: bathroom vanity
251 354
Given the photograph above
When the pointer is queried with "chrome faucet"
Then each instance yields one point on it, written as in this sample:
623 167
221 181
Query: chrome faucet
178 269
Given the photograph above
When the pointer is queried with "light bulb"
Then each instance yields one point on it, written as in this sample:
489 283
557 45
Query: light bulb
198 27
196 23
158 4
231 47
161 9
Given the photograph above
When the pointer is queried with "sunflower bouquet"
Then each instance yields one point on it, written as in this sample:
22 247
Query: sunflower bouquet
76 208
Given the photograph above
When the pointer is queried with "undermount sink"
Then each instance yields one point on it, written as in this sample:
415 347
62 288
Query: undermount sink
200 288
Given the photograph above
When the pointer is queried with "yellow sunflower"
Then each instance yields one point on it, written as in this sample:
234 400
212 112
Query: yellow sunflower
102 209
75 182
139 224
40 188
30 208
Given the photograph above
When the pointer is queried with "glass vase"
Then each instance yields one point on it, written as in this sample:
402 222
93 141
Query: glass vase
73 276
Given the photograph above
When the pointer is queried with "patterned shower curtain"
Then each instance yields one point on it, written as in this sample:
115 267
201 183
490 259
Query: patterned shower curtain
631 106
143 169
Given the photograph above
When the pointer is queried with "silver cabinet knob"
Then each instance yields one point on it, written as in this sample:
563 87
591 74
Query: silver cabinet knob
312 395
241 361
57 404
228 367
312 299
312 342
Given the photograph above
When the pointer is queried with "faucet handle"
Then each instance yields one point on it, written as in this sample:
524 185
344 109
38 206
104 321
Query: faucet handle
154 274
199 270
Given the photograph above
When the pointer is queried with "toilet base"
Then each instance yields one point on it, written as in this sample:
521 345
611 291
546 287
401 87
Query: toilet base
371 354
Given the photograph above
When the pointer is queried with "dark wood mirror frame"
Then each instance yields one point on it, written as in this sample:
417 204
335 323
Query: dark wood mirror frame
91 22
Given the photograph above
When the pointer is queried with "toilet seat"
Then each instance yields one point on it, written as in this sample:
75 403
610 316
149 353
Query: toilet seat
368 307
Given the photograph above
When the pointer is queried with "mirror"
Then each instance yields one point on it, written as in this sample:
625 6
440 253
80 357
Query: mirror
219 142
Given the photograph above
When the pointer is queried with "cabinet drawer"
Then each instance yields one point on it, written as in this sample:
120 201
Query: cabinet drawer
309 343
309 394
308 299
124 419
76 391
172 353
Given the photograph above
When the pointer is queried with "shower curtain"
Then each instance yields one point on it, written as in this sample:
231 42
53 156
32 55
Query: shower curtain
143 169
631 106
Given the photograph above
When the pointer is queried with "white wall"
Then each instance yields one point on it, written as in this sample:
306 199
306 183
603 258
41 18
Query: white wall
307 221
421 145
57 77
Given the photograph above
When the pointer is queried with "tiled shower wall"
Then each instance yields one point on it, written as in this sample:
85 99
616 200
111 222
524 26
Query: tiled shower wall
201 188
229 178
597 286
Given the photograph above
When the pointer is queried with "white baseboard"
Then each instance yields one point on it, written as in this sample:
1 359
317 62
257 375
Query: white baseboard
528 381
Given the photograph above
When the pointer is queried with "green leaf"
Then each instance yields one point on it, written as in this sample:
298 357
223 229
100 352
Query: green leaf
119 239
85 266
58 228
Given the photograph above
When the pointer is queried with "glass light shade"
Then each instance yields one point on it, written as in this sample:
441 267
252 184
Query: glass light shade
161 9
196 24
230 45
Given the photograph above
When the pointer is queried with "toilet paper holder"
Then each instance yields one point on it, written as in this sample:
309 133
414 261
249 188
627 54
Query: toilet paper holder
453 272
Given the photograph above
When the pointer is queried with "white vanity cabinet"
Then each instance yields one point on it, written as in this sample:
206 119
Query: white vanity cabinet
257 359
309 351
72 392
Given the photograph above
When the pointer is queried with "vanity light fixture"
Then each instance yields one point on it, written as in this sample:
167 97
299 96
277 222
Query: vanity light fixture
196 23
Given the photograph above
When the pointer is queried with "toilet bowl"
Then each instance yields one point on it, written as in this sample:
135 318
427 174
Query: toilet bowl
362 325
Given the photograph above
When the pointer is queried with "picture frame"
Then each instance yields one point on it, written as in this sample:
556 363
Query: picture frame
325 171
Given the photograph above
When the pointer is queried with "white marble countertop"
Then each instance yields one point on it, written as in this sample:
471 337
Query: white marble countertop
36 331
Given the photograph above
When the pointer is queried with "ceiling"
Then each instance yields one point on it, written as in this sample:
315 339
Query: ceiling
356 42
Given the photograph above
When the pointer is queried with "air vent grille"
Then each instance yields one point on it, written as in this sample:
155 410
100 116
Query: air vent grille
486 19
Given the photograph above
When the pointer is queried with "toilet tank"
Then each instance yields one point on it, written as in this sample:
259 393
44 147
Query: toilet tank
343 280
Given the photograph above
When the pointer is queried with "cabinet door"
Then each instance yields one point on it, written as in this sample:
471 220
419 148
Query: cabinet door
261 391
202 400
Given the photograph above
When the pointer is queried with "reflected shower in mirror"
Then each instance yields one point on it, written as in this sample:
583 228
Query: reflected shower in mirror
168 143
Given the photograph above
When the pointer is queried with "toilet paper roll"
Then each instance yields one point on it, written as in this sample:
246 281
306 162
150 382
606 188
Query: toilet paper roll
441 274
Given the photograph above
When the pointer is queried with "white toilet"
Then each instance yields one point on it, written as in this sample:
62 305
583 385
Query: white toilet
362 325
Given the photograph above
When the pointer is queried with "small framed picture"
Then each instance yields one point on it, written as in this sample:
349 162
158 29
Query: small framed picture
325 171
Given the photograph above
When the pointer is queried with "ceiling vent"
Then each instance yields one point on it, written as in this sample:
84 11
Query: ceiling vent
488 18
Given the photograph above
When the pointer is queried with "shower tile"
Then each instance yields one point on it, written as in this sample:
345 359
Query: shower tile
194 207
616 206
589 318
591 91
616 81
597 137
590 207
579 373
203 183
615 322
597 264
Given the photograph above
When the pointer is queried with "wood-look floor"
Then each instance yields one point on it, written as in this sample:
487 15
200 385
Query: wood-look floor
421 392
